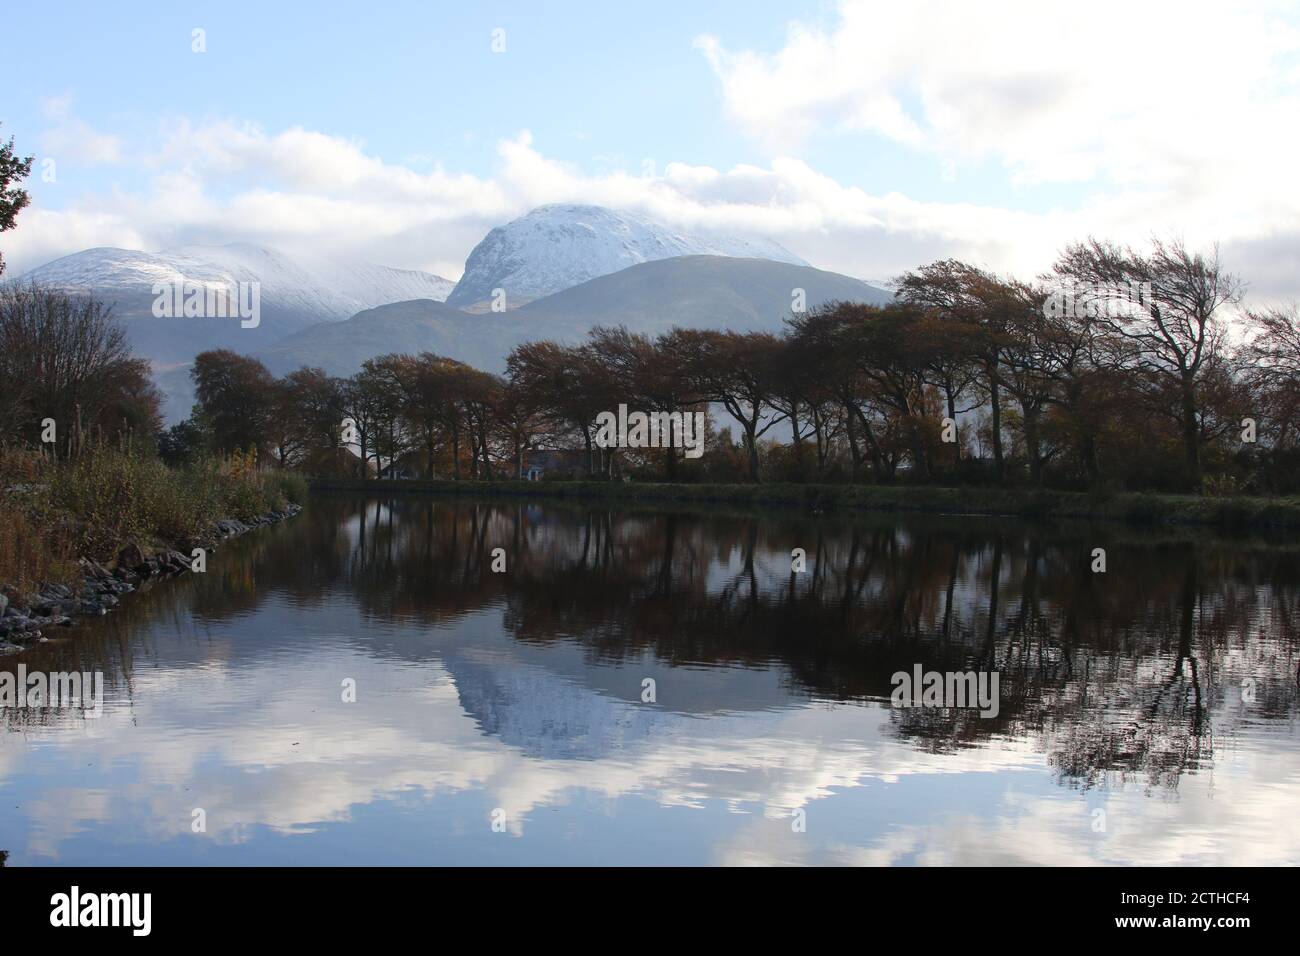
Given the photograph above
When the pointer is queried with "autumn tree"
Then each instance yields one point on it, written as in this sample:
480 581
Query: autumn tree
566 385
313 400
236 400
737 370
1169 305
974 300
648 374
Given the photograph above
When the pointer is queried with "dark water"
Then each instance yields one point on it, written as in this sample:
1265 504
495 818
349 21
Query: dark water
1147 715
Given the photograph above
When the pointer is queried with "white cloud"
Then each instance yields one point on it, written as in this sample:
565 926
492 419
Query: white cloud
307 192
73 140
1180 115
1134 92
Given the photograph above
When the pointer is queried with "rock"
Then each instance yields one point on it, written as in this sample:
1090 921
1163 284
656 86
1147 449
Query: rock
23 615
128 577
229 527
15 599
16 622
132 557
94 570
36 604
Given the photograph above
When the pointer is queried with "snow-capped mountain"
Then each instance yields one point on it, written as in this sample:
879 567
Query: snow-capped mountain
326 289
295 294
557 247
690 292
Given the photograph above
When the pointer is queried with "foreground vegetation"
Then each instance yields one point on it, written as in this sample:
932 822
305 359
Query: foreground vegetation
54 513
82 470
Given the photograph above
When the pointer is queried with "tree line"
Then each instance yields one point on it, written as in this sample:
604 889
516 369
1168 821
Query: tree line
1118 368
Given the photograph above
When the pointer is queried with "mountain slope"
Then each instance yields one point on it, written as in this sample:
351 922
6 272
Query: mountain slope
329 288
560 246
743 295
421 325
652 297
295 293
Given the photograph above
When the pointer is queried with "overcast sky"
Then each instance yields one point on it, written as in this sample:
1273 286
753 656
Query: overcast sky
867 137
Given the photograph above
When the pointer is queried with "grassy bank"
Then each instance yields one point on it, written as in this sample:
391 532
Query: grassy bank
53 514
1235 513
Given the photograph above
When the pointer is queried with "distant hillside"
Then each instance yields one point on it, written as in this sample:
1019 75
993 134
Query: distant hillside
653 297
745 295
420 325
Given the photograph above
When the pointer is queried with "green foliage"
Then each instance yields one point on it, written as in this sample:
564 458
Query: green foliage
182 445
286 487
13 199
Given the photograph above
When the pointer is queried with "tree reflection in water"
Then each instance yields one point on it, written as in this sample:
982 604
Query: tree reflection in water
1109 674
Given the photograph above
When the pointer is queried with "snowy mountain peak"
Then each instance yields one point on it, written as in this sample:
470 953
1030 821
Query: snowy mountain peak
325 288
559 246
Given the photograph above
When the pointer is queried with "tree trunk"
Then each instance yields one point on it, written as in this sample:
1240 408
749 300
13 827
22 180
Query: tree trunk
1032 443
1191 434
995 407
670 462
752 441
798 441
852 431
952 413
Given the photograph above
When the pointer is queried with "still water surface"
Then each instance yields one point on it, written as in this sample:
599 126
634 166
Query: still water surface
1148 715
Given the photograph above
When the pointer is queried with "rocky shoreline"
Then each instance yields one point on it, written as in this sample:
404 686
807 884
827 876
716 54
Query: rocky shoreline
25 617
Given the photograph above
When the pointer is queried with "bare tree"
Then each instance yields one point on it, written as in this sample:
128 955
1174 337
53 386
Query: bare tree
62 357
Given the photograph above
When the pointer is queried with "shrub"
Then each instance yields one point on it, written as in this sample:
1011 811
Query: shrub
31 554
285 487
105 497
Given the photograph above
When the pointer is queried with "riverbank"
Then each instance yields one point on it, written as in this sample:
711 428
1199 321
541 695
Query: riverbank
1231 513
24 618
77 536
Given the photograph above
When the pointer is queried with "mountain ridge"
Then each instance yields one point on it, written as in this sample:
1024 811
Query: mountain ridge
333 287
561 245
652 297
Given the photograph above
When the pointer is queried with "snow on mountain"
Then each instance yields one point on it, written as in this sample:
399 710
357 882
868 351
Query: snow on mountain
557 247
295 294
327 289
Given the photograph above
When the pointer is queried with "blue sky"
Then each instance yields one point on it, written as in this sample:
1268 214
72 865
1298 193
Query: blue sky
865 136
604 86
